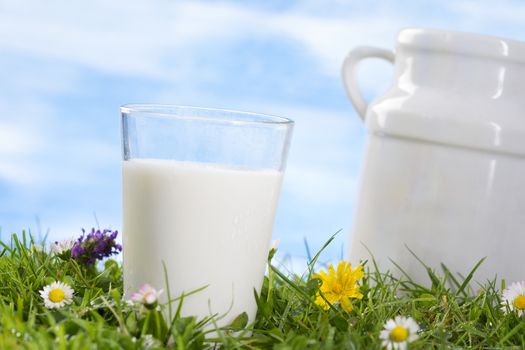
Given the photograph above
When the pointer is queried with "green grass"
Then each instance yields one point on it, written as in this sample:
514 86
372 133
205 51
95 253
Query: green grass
449 313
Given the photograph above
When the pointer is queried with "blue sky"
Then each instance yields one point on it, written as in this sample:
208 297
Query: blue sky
66 67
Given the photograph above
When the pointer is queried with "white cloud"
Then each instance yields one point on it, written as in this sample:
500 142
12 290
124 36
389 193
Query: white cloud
16 140
34 152
21 137
132 37
138 38
507 12
157 38
330 39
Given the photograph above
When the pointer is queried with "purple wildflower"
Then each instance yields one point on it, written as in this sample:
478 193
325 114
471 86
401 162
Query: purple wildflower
97 245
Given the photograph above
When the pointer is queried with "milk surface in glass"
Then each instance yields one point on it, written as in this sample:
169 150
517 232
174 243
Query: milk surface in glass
187 215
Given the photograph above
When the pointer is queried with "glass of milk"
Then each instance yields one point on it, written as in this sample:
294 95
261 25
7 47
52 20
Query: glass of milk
200 192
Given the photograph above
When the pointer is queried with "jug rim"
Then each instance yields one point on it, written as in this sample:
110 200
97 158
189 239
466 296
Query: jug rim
456 42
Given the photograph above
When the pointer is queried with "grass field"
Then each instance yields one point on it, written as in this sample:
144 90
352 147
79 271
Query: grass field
295 312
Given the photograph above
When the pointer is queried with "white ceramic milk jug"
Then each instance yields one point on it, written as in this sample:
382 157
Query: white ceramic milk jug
444 168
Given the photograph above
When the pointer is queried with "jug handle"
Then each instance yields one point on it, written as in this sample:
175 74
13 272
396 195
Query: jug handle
349 73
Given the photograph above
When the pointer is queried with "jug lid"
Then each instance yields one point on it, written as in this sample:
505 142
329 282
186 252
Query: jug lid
462 43
457 89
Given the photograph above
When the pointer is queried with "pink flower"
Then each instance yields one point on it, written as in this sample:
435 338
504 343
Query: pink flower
147 295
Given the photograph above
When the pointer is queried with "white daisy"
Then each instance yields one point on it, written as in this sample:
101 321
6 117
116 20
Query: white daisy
56 295
398 332
513 298
146 295
63 246
149 342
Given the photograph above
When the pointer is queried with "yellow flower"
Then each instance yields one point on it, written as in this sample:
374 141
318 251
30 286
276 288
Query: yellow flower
339 286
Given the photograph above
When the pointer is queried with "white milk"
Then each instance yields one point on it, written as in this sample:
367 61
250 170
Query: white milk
210 225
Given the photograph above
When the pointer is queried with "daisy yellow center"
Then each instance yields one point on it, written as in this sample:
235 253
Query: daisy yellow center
56 295
399 334
519 302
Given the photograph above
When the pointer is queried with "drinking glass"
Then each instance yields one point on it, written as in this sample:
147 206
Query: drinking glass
200 191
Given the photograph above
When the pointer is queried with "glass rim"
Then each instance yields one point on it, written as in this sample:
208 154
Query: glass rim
235 117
